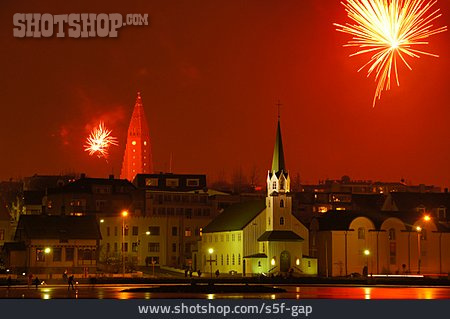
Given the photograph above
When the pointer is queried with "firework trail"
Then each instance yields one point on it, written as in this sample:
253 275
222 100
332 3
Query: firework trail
389 30
99 141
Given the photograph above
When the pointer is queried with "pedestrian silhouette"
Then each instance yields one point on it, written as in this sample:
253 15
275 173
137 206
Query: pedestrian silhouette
199 272
8 281
217 273
70 281
37 282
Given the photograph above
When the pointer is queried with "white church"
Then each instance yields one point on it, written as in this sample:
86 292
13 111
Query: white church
261 236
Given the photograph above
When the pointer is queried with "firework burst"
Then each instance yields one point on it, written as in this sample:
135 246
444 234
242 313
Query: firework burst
389 30
99 141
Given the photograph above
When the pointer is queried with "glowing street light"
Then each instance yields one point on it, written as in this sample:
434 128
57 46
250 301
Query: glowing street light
102 221
124 215
210 251
366 252
419 261
273 262
47 250
427 218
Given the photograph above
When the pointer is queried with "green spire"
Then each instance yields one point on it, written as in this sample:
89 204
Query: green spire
278 153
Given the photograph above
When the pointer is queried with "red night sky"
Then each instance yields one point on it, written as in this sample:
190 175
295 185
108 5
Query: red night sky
210 73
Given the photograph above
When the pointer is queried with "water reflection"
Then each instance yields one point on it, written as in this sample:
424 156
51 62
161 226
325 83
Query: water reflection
292 292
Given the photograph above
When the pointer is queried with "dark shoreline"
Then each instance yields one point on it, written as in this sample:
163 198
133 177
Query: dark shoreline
336 281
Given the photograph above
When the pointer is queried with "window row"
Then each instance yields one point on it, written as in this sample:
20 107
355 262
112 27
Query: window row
222 237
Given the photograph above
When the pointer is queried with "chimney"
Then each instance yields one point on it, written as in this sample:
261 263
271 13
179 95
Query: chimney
111 176
82 175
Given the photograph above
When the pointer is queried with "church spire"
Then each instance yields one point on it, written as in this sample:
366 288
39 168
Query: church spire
138 157
278 152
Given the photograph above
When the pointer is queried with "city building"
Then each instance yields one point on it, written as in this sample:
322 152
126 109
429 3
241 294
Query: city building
176 208
410 234
92 196
258 237
138 156
54 244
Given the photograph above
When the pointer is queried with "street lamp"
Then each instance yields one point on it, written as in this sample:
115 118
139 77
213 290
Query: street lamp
124 215
47 250
272 262
419 261
147 233
210 251
367 254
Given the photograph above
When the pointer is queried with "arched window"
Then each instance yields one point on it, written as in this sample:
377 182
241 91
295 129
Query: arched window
281 220
274 185
232 259
281 203
228 259
259 263
281 184
392 234
423 234
361 233
239 259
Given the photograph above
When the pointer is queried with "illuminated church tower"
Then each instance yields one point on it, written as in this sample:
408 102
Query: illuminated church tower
138 156
278 201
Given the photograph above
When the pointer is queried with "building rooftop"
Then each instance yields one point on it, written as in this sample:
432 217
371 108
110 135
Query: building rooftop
57 227
236 216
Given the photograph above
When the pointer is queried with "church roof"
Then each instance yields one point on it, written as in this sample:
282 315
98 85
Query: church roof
280 235
278 153
236 216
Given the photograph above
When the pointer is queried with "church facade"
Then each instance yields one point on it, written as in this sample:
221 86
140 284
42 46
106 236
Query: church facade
261 236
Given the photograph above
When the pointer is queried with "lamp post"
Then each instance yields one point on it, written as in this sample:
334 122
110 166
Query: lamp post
147 233
210 251
47 251
124 215
418 229
426 218
367 254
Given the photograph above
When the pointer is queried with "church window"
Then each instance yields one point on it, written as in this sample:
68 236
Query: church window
239 259
282 203
232 259
233 237
274 186
392 234
281 184
281 220
221 237
228 259
361 233
259 263
239 237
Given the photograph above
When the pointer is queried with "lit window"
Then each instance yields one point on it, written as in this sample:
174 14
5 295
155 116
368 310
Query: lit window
145 142
361 233
392 234
133 142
